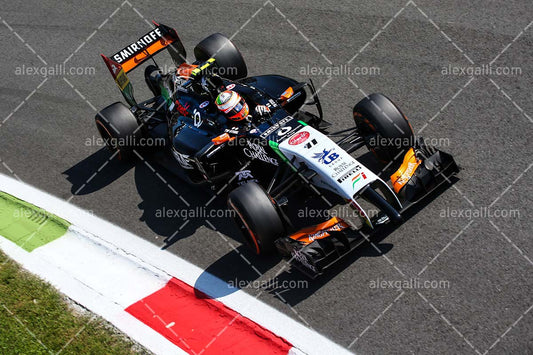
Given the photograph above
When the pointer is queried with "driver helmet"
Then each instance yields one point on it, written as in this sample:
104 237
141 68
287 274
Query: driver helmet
232 105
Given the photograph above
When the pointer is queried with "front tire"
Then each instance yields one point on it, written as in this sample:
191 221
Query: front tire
384 127
257 217
119 128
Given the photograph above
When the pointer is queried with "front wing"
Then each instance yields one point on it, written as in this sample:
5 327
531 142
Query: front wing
314 249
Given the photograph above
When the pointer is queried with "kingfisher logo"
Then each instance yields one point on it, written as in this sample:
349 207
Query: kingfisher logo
357 178
326 156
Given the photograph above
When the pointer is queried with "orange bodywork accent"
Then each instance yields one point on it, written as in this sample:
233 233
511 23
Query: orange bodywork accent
287 94
224 137
185 70
406 171
155 47
319 231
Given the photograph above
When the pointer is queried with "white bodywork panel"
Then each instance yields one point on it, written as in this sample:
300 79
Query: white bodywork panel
337 170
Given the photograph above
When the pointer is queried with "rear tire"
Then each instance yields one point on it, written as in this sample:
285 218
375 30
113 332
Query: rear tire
257 217
229 59
384 127
119 128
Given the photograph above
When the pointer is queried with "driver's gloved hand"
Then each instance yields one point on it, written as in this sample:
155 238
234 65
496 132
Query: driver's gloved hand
262 110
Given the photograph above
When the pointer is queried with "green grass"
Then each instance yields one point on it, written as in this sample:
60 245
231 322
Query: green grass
28 304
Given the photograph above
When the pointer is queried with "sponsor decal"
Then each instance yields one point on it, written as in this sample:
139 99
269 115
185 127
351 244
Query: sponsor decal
256 151
245 176
183 110
299 138
183 159
271 103
302 259
311 144
275 127
287 133
318 235
204 104
358 177
115 69
326 156
197 118
232 130
348 174
138 46
122 80
407 174
342 167
283 131
324 233
230 86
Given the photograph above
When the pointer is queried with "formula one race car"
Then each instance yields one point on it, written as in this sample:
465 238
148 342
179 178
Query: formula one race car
265 161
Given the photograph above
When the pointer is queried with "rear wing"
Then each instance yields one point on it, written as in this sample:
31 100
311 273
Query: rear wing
136 53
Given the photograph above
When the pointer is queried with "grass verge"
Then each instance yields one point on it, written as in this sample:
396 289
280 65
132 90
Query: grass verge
36 319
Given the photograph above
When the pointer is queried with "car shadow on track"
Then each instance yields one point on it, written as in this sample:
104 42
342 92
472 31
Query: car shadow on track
93 173
170 207
175 209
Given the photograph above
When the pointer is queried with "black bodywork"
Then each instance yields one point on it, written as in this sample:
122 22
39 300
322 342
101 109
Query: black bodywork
188 121
190 127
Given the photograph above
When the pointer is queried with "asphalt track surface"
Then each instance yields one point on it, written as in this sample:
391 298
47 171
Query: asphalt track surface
47 133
